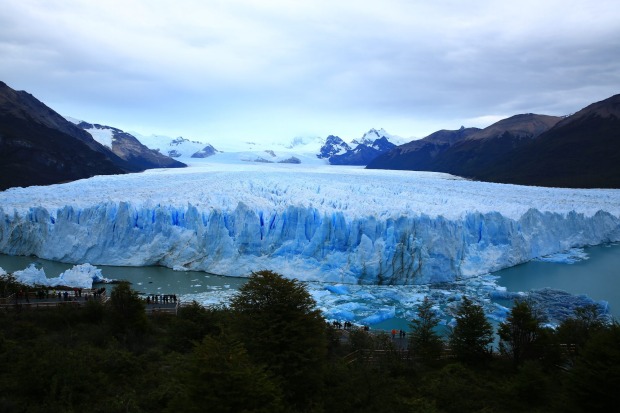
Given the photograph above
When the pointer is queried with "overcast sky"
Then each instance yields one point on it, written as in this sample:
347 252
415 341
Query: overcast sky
276 69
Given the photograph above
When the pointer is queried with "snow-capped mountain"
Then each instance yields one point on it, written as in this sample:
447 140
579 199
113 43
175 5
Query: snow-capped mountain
298 150
304 150
178 147
126 146
373 134
372 144
333 146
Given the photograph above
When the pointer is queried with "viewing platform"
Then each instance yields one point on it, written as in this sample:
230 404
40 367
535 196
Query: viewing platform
78 297
47 298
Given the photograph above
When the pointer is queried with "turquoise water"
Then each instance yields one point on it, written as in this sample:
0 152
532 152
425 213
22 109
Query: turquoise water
147 280
598 277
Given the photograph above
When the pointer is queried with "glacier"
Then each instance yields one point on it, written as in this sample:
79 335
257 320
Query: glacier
314 223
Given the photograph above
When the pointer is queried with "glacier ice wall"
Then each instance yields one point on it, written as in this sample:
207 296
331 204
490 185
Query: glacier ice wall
298 241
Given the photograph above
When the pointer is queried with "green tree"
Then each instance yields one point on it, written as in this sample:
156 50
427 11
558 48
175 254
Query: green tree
595 379
577 330
126 310
221 378
277 321
192 323
520 332
472 334
424 341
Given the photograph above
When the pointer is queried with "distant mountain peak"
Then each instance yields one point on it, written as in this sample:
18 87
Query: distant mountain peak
372 144
333 146
372 135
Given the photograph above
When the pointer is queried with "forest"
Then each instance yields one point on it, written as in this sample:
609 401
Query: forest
270 350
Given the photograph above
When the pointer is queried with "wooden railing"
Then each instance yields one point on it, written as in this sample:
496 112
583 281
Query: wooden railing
34 299
158 308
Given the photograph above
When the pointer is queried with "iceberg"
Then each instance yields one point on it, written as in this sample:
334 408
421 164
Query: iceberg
329 224
31 276
80 276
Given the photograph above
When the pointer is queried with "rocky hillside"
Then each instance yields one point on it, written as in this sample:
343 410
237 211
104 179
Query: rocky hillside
578 151
128 147
39 147
421 154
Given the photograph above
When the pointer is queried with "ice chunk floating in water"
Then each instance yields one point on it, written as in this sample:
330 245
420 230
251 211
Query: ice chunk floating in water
80 276
571 256
333 224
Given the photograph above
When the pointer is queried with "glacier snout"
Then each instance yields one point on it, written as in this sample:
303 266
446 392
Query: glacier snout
298 241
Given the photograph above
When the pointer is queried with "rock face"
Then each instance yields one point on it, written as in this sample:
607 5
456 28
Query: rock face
333 146
40 147
129 148
578 151
205 152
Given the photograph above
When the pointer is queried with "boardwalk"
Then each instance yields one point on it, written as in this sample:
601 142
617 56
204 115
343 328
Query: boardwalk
42 299
53 298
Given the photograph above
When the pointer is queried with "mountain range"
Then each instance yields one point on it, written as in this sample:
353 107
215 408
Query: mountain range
40 147
577 151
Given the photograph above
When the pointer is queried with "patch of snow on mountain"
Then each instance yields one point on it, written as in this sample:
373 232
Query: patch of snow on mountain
104 135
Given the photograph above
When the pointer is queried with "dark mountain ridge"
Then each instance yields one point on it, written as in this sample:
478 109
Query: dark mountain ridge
480 150
420 154
578 151
40 147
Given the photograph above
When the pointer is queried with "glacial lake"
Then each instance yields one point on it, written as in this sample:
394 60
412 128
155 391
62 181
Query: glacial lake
382 307
598 276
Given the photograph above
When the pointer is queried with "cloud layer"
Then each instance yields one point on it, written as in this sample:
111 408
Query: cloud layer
276 69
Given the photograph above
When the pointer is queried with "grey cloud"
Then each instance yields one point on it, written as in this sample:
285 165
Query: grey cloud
338 63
